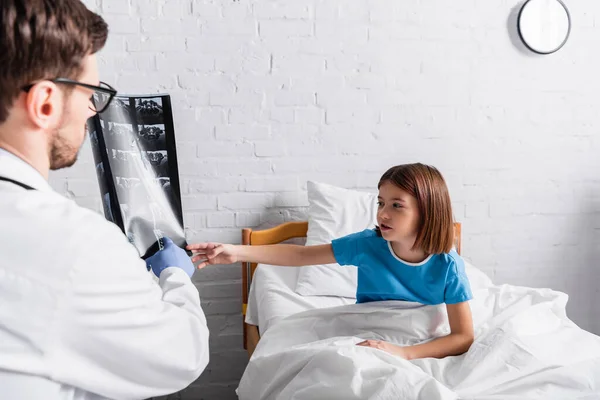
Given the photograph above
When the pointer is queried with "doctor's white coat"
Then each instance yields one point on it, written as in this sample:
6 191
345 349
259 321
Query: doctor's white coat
80 317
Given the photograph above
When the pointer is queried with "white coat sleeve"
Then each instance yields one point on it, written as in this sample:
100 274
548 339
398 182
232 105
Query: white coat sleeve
120 334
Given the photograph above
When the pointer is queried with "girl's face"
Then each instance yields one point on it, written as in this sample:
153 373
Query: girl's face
397 214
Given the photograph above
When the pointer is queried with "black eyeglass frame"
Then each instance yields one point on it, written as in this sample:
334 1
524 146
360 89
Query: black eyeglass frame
112 92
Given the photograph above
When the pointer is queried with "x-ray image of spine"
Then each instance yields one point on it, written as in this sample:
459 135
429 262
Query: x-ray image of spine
135 152
119 111
158 161
152 137
149 111
153 214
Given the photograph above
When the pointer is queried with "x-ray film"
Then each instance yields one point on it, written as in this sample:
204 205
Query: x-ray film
133 143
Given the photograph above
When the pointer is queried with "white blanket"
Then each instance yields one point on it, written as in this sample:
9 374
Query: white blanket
525 348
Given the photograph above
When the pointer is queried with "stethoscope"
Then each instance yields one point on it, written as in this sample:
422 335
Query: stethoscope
24 186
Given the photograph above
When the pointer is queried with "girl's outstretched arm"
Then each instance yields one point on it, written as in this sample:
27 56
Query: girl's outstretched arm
277 254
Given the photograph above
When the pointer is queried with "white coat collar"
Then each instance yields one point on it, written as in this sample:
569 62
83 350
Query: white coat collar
15 168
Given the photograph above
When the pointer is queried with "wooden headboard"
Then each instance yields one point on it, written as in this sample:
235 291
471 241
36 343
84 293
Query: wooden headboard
278 234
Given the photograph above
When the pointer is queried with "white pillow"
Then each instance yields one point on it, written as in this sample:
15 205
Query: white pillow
477 278
334 212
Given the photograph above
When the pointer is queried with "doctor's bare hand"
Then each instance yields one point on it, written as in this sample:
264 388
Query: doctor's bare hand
213 253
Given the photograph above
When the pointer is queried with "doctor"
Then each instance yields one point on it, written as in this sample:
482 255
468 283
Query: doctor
80 316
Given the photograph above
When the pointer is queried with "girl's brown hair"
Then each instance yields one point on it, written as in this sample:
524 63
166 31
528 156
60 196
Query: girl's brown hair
435 233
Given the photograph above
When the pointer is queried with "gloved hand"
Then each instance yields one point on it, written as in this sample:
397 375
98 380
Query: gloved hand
170 256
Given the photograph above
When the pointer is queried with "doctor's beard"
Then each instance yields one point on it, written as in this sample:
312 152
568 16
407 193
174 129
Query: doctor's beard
63 153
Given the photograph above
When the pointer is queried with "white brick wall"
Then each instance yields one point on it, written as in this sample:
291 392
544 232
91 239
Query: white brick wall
270 94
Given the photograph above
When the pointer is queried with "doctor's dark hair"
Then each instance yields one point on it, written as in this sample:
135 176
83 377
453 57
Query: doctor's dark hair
44 39
435 233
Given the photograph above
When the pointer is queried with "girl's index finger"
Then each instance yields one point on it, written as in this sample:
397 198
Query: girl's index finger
198 246
204 245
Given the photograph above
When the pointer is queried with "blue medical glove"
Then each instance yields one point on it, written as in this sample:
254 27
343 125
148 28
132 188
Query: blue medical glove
171 255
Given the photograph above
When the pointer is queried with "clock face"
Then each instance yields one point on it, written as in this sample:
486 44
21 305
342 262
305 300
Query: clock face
544 25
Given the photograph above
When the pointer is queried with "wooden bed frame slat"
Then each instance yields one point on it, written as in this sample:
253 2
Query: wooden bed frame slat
278 234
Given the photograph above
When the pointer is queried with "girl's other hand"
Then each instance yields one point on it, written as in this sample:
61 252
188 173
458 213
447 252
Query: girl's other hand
385 346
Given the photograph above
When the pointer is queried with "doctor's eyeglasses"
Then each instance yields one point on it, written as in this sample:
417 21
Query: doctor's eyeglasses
99 100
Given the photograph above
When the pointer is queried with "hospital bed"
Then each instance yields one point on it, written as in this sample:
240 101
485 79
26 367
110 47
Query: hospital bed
272 294
303 347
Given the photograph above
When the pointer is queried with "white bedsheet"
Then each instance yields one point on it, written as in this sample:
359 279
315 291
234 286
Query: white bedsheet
525 348
272 297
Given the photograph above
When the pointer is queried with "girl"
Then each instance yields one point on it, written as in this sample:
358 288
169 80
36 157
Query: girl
408 256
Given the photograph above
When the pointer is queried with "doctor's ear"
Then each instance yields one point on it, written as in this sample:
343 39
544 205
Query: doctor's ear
44 105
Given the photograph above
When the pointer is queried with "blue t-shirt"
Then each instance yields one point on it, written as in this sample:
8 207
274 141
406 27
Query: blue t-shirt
440 278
